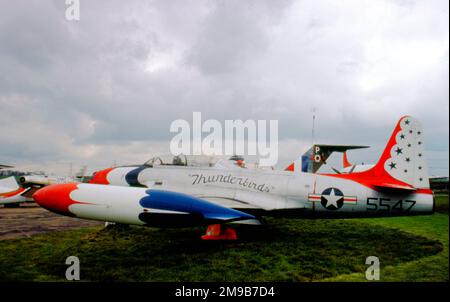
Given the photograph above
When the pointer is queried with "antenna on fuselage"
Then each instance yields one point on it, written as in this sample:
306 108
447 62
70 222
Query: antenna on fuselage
313 124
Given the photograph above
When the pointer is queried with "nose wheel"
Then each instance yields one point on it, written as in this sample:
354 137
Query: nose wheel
219 232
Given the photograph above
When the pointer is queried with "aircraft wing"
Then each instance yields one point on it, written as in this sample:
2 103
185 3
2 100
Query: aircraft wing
229 198
184 203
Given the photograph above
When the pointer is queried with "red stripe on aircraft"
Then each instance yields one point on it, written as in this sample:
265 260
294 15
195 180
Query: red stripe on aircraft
350 199
424 191
314 197
12 193
100 177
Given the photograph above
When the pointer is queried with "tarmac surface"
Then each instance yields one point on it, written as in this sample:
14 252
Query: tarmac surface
30 219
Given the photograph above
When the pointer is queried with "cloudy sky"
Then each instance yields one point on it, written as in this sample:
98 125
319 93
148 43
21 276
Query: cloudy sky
106 88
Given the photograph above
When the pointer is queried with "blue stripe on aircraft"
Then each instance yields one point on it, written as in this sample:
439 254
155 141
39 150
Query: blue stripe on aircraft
132 176
174 201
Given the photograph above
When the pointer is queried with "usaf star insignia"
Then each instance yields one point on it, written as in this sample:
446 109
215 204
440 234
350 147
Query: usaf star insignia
332 199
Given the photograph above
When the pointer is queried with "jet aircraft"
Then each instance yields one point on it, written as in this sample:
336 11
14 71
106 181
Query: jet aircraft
178 195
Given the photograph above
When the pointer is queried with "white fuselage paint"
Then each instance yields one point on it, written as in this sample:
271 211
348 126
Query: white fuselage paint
272 190
116 204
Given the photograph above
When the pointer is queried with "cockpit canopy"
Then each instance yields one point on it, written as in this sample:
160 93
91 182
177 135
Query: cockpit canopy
182 160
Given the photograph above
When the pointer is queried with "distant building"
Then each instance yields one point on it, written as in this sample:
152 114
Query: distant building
7 173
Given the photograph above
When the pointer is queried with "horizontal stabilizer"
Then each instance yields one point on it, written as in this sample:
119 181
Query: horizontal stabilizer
385 185
339 148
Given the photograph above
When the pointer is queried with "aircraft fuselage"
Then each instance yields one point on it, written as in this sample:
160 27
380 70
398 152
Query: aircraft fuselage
277 192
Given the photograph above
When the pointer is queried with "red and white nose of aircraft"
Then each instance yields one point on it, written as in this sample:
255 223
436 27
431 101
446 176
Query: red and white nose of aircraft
56 198
101 177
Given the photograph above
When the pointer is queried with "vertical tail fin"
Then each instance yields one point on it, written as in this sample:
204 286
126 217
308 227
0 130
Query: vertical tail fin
345 162
403 157
8 184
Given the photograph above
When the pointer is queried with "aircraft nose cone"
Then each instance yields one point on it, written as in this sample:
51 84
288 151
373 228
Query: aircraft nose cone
101 177
56 198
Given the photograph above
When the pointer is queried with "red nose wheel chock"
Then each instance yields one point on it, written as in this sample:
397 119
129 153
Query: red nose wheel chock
219 232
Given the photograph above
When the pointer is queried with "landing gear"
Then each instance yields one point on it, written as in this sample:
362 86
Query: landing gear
219 232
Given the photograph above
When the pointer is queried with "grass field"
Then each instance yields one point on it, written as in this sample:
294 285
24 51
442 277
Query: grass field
409 249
